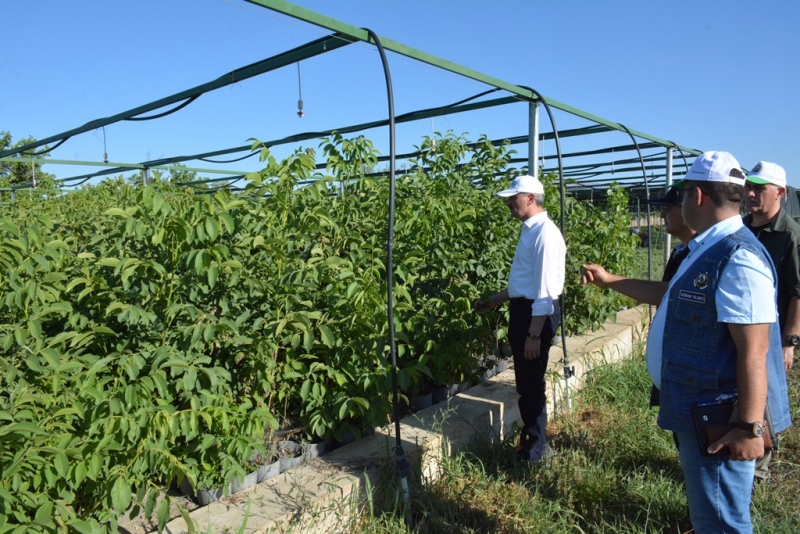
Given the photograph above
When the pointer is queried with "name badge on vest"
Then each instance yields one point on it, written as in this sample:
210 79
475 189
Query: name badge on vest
700 282
692 296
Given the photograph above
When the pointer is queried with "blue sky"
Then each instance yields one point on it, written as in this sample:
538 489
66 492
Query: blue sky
717 75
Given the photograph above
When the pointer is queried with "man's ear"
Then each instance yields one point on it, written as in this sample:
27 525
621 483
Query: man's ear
699 197
781 192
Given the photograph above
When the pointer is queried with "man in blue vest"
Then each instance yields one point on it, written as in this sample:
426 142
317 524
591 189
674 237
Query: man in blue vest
719 335
714 335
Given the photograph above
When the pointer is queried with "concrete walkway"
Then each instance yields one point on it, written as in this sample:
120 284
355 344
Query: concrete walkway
320 494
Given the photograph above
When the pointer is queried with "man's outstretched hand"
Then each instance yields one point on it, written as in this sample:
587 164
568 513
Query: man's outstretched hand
595 274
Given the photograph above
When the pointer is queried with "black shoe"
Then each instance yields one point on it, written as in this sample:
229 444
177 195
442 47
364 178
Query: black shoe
525 455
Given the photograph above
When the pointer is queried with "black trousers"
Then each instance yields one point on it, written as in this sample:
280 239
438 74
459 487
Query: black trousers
530 375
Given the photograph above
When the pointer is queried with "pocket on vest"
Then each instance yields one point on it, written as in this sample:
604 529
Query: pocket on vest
682 384
689 376
695 324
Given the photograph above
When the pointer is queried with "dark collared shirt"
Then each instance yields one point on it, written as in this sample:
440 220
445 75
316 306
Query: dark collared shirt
781 238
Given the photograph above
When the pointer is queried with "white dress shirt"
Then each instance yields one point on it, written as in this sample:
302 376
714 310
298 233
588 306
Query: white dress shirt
537 271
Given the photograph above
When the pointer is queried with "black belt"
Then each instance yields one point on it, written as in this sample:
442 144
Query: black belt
515 300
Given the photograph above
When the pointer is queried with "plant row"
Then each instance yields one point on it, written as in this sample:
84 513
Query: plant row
152 334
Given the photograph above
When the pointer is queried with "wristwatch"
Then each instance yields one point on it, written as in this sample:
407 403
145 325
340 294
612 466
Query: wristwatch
534 337
791 340
757 429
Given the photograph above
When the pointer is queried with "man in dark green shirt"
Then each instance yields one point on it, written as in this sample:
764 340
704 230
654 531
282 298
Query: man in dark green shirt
764 191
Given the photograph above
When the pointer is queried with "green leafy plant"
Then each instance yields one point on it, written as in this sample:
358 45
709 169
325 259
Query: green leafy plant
156 334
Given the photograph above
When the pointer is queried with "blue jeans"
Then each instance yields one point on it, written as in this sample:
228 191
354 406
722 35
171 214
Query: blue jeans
718 489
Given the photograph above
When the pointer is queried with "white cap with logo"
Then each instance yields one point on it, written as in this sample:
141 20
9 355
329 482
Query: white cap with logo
714 166
523 184
767 173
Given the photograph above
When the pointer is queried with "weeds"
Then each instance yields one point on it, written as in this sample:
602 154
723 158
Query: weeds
614 471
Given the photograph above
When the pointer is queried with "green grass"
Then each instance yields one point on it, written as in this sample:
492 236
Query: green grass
614 472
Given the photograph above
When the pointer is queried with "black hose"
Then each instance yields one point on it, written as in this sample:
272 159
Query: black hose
179 107
46 150
76 184
228 160
454 104
649 231
400 457
168 112
569 371
685 162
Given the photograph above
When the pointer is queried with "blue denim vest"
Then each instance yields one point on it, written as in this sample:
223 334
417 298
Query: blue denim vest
699 356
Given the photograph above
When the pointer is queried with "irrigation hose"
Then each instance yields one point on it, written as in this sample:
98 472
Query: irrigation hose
569 371
228 160
46 150
168 112
685 162
454 104
177 108
400 457
289 139
649 231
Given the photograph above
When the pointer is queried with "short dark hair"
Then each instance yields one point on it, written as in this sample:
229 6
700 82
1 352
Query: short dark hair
720 193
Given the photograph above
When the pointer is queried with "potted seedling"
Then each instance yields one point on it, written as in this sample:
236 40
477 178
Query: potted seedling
247 481
421 396
268 462
290 454
313 448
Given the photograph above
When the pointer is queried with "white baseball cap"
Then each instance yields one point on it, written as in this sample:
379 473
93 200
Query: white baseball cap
767 173
523 184
714 166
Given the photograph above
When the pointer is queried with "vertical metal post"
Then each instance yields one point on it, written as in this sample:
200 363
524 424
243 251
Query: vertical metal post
145 176
533 139
638 214
668 238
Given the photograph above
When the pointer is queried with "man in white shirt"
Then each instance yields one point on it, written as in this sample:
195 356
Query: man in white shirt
535 282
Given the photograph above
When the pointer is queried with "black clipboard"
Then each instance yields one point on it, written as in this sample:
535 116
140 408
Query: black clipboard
714 419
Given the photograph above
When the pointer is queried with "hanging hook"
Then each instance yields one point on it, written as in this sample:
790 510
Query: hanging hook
541 150
299 93
105 152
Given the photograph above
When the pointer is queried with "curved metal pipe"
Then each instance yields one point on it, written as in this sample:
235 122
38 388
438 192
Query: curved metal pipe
647 197
685 162
569 371
400 457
